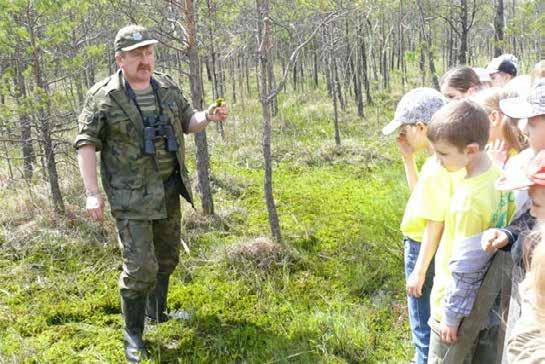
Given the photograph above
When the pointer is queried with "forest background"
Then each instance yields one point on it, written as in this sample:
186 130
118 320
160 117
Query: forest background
293 253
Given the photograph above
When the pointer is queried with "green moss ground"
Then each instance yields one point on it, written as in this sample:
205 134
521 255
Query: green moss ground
337 297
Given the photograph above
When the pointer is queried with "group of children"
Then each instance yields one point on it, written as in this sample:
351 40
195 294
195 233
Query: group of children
481 189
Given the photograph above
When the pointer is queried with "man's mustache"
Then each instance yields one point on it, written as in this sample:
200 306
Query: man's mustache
144 67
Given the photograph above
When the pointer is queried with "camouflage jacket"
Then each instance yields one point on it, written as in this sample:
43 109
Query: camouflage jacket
111 122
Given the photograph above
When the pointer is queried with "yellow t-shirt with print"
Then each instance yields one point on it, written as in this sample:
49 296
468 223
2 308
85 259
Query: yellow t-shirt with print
475 206
429 199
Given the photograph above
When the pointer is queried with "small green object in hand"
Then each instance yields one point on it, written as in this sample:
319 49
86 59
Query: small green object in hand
219 101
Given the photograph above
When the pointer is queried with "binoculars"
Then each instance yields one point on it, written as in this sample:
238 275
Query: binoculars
156 128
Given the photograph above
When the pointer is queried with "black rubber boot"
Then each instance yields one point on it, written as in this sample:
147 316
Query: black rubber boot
134 314
156 306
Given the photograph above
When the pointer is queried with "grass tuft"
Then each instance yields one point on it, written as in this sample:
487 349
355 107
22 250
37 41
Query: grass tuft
261 253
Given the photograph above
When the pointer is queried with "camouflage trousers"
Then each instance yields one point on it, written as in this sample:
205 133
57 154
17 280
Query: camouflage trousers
148 248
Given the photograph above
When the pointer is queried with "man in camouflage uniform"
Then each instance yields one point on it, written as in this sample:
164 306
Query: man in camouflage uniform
136 118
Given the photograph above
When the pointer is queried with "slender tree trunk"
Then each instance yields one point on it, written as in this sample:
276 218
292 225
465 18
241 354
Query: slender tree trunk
44 126
203 164
385 74
247 76
450 48
384 55
240 80
217 89
372 55
201 78
294 76
364 71
301 73
76 78
282 65
427 46
29 157
422 60
329 82
222 78
208 72
348 63
462 56
431 63
401 53
444 51
41 153
7 155
498 29
335 93
272 84
335 113
264 44
233 81
357 85
541 38
315 64
338 85
513 37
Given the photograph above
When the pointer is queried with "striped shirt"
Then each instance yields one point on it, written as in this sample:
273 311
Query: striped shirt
166 161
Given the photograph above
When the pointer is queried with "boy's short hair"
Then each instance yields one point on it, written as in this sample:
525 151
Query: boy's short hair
460 123
418 104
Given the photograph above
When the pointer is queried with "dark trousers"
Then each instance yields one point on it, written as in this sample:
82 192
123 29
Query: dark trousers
149 247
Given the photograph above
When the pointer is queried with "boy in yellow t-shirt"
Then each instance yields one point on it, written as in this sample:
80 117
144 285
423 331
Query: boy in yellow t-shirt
424 214
459 133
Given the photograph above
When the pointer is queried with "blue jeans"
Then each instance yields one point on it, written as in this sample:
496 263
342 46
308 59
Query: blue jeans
419 308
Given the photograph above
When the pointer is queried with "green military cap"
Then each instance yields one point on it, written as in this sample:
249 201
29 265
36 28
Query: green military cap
132 37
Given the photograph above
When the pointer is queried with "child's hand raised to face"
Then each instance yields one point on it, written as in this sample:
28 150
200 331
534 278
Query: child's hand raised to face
404 147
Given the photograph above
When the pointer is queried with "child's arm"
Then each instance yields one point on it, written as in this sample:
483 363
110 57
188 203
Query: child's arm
409 164
495 239
505 237
458 296
461 294
459 299
430 242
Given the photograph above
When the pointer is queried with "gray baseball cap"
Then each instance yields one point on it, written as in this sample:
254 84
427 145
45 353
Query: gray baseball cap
132 37
526 107
419 104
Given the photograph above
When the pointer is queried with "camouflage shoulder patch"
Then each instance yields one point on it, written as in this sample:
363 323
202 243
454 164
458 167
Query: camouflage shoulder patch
164 79
98 86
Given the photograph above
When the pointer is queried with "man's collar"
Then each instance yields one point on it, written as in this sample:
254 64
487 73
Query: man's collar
115 83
